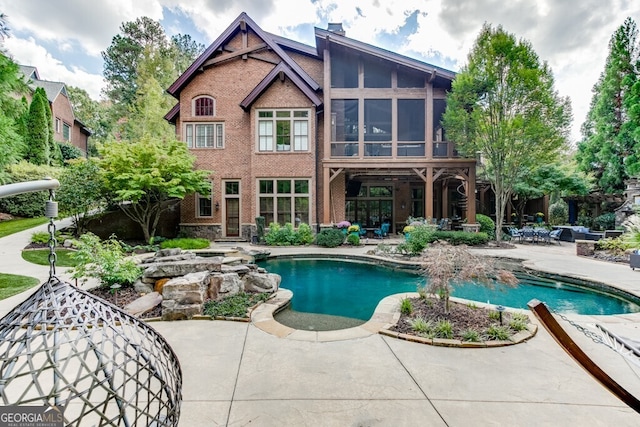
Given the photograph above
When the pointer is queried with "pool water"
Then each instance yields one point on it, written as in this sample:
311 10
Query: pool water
354 289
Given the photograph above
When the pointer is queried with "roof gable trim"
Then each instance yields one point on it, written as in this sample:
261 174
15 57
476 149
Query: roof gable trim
278 72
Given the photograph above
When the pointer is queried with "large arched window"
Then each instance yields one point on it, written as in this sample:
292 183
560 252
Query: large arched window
204 106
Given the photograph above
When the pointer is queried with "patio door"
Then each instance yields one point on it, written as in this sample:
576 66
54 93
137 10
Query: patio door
232 208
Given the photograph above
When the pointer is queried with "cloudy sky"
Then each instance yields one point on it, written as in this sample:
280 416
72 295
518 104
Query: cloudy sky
64 38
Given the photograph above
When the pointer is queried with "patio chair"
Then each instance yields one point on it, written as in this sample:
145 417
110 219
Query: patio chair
515 234
555 235
382 232
542 235
528 234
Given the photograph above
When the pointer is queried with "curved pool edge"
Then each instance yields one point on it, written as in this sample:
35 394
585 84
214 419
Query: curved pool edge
387 313
385 316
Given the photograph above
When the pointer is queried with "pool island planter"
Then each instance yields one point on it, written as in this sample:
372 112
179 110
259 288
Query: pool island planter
516 338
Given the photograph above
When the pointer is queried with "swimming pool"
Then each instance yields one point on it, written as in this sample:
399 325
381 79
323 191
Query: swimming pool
354 289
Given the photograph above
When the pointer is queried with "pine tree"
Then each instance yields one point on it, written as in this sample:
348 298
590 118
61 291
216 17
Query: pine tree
607 137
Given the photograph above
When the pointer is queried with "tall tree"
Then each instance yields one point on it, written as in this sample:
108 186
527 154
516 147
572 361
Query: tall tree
605 137
38 148
184 51
12 110
93 114
149 176
143 45
4 28
504 106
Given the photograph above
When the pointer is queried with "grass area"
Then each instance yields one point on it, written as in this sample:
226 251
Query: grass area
186 243
41 257
11 284
16 225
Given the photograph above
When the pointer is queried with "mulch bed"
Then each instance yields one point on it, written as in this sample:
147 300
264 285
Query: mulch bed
123 297
461 316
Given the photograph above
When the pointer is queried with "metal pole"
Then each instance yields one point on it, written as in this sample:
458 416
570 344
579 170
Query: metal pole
28 187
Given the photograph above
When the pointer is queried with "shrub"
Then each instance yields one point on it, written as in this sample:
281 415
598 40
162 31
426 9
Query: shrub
470 336
185 243
406 307
288 236
353 239
605 221
517 325
105 261
329 238
444 329
41 237
462 237
69 151
305 234
421 326
616 245
559 213
499 333
418 240
27 205
487 225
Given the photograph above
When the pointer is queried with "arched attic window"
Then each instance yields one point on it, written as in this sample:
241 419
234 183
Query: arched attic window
204 106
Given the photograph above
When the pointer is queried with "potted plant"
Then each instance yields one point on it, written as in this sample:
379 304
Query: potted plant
539 217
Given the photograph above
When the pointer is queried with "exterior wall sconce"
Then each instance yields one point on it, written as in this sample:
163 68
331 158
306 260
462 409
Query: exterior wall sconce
217 206
402 205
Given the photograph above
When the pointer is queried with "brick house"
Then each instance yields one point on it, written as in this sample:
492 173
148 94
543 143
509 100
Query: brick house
65 126
316 134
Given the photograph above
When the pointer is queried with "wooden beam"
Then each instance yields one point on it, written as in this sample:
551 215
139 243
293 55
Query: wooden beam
421 173
333 173
570 346
234 54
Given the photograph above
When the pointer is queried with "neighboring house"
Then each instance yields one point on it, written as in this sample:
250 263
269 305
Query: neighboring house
65 126
302 134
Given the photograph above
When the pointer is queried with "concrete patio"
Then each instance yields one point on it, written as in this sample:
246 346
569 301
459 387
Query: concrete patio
236 374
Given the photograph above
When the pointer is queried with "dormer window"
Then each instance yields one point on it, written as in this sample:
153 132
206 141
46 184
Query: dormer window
204 106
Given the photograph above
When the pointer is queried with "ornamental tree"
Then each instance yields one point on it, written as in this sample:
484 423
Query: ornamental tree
149 176
37 139
503 105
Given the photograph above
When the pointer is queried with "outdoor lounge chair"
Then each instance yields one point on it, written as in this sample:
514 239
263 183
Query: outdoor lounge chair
382 232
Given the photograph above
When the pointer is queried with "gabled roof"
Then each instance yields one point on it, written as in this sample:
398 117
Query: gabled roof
31 73
53 89
172 115
302 48
279 71
242 22
325 37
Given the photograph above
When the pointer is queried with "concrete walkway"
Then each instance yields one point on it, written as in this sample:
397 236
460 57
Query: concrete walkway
236 374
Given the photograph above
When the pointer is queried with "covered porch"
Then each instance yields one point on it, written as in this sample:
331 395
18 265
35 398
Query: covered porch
371 196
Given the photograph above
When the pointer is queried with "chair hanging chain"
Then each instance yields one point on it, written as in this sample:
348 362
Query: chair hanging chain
51 212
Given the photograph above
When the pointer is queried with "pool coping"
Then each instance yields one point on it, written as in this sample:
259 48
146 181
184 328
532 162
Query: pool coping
385 316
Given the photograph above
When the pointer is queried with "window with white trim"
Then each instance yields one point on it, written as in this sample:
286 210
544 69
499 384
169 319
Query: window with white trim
57 125
284 200
204 106
204 135
204 205
283 130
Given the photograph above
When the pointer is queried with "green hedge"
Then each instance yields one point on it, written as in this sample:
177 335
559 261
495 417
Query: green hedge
330 238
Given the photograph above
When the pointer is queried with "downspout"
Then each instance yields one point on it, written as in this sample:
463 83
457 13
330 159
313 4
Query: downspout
317 192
